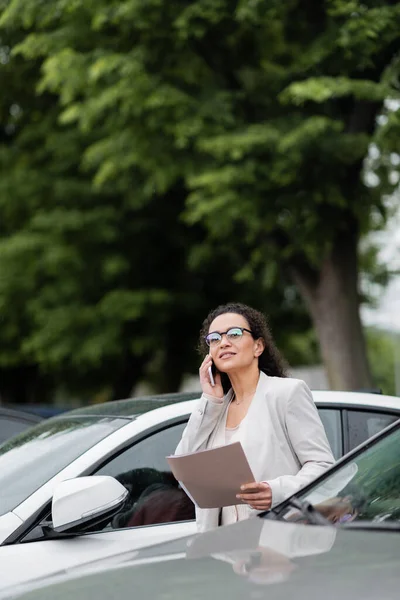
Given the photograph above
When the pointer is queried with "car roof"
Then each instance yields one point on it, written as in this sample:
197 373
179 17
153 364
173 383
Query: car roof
367 399
132 407
19 415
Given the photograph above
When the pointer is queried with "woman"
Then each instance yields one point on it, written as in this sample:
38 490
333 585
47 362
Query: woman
252 401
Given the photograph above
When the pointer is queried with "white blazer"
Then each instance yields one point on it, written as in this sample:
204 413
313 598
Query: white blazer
282 436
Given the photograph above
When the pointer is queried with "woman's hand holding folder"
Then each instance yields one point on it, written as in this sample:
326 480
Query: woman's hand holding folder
257 495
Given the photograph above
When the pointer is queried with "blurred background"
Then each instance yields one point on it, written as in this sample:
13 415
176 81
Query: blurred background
160 157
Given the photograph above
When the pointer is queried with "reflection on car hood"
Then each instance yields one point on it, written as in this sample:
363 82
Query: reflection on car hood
252 559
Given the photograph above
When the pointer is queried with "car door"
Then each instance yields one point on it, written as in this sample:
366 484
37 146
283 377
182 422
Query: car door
156 511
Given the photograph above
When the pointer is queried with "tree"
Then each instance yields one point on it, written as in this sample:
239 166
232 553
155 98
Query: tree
95 288
261 113
381 350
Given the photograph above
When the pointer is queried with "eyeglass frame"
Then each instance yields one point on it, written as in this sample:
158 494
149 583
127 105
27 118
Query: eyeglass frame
222 333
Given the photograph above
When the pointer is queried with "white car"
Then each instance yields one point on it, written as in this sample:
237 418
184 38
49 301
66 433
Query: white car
129 440
338 538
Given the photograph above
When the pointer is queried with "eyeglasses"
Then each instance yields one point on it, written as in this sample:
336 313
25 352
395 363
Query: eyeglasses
233 334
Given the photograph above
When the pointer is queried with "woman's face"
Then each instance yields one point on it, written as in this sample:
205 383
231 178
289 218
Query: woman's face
234 354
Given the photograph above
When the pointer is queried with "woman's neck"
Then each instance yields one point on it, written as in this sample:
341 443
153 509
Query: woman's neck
244 383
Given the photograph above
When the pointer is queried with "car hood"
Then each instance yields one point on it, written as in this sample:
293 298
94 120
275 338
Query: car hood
255 559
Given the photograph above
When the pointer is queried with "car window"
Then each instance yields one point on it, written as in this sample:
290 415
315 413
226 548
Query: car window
33 457
332 422
363 425
154 494
365 488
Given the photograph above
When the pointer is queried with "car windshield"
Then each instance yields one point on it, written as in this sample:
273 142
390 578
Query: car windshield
32 458
366 488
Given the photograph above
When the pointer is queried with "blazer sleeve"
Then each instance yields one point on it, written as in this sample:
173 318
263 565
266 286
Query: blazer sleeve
201 424
307 438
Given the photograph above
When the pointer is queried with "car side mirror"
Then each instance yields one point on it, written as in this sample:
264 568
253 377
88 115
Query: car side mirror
86 501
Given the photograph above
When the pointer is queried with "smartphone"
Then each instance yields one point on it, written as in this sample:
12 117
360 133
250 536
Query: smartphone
211 372
211 376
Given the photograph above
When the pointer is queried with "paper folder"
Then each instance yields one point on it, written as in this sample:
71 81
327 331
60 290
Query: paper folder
212 478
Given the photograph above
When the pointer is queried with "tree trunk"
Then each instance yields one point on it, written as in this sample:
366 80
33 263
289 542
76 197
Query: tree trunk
332 298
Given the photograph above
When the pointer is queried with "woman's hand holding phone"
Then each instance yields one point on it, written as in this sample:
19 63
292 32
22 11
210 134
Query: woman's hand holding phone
215 390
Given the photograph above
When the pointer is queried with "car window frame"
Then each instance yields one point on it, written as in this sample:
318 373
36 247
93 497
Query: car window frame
339 409
140 438
372 410
347 458
154 431
349 406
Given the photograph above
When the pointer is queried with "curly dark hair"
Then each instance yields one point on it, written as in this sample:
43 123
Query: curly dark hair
270 361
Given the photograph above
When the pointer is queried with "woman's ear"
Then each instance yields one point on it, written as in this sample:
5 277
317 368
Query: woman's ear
259 347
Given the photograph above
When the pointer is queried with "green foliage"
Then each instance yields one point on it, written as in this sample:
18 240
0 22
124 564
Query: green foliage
321 89
163 156
381 350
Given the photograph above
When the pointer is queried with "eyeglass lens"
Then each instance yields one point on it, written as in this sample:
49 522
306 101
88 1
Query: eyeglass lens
232 334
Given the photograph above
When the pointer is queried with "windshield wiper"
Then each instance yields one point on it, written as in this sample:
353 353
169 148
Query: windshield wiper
305 508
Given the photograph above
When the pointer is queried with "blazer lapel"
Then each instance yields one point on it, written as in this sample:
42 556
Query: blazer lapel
253 427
